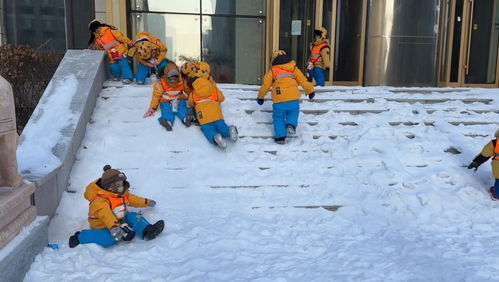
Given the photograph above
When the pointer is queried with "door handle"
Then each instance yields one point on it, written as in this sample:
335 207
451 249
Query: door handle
469 37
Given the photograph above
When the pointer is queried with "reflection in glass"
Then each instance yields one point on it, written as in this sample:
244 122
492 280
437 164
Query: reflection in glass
348 40
484 43
234 7
456 41
234 48
172 6
180 33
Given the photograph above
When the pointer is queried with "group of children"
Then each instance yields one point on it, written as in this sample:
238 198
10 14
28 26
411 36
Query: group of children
192 94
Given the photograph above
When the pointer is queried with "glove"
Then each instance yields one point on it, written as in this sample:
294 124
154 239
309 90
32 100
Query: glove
151 203
311 96
149 113
117 233
473 165
260 101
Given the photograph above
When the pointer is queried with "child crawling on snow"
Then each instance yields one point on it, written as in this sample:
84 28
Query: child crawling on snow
108 216
491 149
205 98
168 93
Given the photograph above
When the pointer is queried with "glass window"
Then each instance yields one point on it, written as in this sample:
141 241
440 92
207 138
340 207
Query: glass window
180 33
234 7
234 48
183 6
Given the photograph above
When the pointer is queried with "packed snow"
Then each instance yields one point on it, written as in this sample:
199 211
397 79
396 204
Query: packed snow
374 187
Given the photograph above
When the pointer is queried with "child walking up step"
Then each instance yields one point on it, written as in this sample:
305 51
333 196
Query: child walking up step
284 78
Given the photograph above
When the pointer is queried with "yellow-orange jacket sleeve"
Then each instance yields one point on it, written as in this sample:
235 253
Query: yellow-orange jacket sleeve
302 81
120 37
267 83
157 92
136 201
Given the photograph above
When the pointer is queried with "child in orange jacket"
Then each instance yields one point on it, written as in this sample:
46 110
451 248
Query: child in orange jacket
490 150
108 38
151 54
108 216
206 98
168 93
284 78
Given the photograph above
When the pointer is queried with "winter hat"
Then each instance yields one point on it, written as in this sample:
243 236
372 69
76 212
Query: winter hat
144 49
322 32
109 176
94 25
189 69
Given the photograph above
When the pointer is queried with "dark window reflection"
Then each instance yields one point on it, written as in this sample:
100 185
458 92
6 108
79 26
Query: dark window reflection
234 7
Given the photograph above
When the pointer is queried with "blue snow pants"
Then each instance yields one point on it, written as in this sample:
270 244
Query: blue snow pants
168 114
318 74
213 128
283 114
121 67
143 70
103 236
496 188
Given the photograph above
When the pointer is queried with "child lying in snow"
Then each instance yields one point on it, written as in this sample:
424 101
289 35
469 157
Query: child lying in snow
491 149
108 216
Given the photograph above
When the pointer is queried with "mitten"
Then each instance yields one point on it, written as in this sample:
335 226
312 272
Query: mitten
149 113
259 101
116 232
311 95
473 165
151 203
128 232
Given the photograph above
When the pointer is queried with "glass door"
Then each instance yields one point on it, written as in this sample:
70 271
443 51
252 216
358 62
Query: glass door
469 45
296 29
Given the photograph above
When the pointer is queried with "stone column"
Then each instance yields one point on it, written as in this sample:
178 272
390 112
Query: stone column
9 175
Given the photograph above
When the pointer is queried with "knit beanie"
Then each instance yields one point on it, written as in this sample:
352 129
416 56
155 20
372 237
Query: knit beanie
109 176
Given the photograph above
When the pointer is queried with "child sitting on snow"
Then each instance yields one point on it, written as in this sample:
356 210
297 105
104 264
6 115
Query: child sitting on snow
284 78
206 98
168 93
108 216
491 149
108 38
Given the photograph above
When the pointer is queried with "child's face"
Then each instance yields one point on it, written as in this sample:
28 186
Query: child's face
117 187
173 79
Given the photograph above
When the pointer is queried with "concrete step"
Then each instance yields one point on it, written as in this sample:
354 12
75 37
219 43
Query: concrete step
8 232
332 208
13 202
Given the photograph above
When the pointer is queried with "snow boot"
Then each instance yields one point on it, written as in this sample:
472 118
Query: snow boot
291 129
233 133
73 240
280 140
219 140
166 124
140 83
126 81
187 121
153 230
491 192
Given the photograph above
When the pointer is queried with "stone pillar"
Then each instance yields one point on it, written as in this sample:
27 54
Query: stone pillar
16 207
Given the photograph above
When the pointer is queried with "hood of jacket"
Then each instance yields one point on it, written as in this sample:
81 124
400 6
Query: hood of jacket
289 66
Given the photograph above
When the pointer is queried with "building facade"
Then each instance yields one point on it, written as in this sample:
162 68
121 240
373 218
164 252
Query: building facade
374 42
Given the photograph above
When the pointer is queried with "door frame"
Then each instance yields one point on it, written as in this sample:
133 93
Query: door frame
274 6
465 45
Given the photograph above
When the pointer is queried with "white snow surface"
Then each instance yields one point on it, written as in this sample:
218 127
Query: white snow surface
35 154
410 211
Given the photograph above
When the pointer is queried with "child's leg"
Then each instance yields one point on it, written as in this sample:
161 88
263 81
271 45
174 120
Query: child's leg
496 188
209 130
278 115
319 76
137 222
166 112
142 73
293 112
222 128
115 70
126 69
102 237
161 65
182 109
